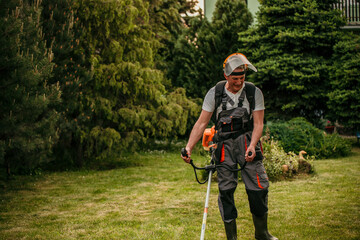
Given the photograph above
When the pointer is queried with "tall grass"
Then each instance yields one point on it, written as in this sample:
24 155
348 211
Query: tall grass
154 196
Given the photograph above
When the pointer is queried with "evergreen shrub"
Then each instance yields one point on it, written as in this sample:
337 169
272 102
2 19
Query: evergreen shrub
28 119
299 134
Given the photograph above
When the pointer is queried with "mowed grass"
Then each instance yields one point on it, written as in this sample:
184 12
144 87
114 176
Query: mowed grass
157 197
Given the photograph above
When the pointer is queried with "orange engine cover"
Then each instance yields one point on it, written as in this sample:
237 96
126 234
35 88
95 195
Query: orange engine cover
208 137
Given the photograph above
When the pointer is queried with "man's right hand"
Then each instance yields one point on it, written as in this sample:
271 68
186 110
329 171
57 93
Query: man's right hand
186 157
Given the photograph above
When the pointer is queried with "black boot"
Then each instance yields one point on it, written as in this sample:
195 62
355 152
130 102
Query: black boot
231 230
261 230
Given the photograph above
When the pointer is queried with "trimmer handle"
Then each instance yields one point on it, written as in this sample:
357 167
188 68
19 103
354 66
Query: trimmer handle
184 152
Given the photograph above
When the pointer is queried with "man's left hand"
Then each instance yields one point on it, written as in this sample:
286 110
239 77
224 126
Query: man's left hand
250 158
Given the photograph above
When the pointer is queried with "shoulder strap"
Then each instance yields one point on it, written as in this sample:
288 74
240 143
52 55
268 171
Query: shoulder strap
219 91
250 95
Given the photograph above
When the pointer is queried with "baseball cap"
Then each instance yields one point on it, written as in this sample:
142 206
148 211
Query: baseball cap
236 60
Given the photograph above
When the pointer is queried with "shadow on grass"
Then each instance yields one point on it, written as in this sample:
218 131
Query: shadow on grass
19 183
112 164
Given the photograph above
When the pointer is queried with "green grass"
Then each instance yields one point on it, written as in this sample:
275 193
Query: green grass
158 198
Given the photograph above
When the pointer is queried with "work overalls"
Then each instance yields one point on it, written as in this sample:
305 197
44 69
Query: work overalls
232 138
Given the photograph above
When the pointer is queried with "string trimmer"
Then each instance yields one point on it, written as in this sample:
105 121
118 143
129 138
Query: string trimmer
209 146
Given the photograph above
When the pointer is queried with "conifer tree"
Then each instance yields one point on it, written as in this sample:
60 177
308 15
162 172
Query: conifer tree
28 119
291 46
229 19
167 19
193 67
63 32
344 97
203 46
129 101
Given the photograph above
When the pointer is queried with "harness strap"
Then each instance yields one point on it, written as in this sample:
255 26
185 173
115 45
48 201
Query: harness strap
241 98
224 100
227 99
250 89
219 91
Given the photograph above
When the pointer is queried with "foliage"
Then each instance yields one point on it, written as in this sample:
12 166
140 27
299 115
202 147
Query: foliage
335 146
101 55
63 32
344 97
275 159
299 134
28 120
167 19
191 58
291 46
127 95
203 46
229 18
125 68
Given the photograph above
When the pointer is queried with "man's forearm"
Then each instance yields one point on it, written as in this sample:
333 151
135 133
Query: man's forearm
256 134
195 135
258 127
198 129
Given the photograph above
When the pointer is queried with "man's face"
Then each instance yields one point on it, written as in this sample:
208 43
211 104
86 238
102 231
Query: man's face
235 82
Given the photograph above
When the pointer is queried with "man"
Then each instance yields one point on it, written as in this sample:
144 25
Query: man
239 125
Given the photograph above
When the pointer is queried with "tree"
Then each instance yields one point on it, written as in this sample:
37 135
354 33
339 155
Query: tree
167 19
344 97
192 67
229 19
129 101
203 47
291 46
28 119
64 34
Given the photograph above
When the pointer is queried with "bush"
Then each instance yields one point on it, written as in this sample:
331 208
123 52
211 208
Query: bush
298 134
335 146
279 164
274 158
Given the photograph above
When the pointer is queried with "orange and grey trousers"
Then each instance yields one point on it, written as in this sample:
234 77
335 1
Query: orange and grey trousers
230 151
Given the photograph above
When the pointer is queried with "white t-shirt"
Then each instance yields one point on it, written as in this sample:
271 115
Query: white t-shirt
209 101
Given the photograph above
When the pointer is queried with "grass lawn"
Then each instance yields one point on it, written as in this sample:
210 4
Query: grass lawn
158 198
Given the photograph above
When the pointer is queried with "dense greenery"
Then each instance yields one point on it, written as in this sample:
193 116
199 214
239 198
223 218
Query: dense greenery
344 97
291 46
298 47
63 32
280 164
167 18
86 81
299 134
100 55
28 119
127 95
203 46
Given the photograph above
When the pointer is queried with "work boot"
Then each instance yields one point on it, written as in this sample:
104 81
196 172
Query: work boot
261 230
231 230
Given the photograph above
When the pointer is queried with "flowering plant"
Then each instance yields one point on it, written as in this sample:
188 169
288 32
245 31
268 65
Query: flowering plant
328 123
